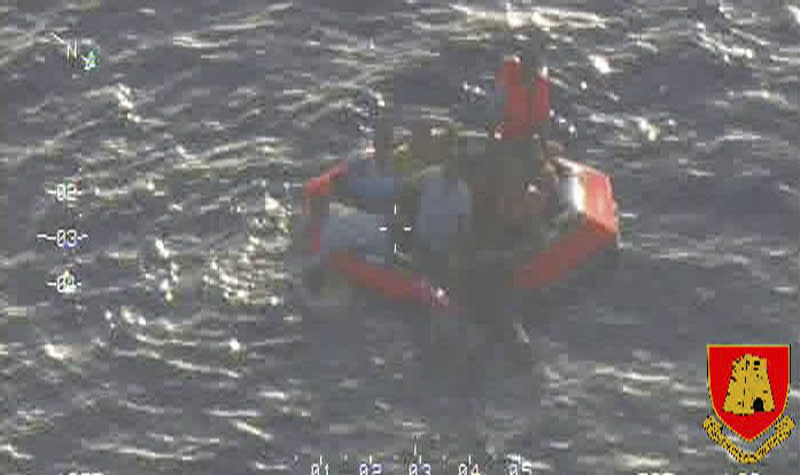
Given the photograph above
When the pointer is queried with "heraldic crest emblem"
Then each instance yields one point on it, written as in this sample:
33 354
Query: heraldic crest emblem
749 388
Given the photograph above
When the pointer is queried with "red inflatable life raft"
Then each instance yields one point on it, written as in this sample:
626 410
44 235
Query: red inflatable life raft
586 227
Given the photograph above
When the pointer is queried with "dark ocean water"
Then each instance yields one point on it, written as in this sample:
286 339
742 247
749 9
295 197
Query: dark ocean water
183 352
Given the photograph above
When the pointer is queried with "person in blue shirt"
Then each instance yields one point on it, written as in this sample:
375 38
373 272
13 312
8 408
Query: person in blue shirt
371 183
443 225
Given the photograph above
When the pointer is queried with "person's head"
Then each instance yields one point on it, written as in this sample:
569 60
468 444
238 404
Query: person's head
554 149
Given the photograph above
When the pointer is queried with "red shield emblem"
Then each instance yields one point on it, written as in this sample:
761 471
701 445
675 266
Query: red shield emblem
749 386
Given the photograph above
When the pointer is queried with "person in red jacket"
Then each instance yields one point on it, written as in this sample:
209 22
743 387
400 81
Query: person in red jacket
523 92
518 127
521 104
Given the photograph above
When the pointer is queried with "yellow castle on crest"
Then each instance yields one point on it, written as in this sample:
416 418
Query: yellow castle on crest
749 390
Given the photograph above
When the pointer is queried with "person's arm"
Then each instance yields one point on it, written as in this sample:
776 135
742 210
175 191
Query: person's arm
549 149
496 105
541 104
495 108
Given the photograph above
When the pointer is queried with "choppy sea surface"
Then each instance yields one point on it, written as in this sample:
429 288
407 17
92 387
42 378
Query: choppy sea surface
184 353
